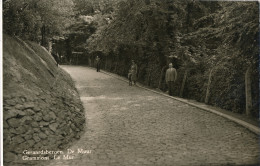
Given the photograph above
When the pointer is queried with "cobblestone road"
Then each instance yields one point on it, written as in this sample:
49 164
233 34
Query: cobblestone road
131 126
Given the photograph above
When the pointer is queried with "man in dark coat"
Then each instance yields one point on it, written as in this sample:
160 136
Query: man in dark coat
170 78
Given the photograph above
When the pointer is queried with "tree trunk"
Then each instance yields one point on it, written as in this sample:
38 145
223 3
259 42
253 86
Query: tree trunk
106 63
248 91
149 78
68 50
116 67
93 61
89 60
183 82
110 65
161 77
208 87
50 46
43 32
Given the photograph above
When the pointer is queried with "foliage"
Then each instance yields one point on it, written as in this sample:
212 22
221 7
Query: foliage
207 40
33 20
200 37
90 16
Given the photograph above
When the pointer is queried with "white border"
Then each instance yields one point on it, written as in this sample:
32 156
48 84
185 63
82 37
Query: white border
1 89
1 71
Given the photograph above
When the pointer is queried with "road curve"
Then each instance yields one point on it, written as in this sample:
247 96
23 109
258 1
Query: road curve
131 126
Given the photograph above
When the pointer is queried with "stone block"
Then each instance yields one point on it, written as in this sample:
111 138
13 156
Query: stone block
38 145
24 146
10 102
5 125
77 136
6 108
49 132
29 112
52 115
37 117
47 118
13 113
18 139
26 120
12 130
36 138
35 124
30 131
45 112
42 135
29 105
73 127
43 123
21 130
36 130
53 126
28 137
37 109
19 106
23 99
31 142
8 157
13 122
44 129
77 109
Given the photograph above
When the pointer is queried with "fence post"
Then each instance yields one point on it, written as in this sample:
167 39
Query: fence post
149 78
183 82
116 67
106 63
89 60
248 91
208 87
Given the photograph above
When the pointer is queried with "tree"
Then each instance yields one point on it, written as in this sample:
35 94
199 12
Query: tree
37 20
220 39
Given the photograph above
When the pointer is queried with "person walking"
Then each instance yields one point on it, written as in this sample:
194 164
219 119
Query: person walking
170 78
130 77
98 63
133 72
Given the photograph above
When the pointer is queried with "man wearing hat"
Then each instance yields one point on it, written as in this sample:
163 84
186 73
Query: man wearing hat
170 78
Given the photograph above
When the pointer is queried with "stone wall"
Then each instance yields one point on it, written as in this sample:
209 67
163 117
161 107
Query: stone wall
42 109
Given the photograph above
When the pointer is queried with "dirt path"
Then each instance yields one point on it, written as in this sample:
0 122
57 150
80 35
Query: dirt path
131 126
